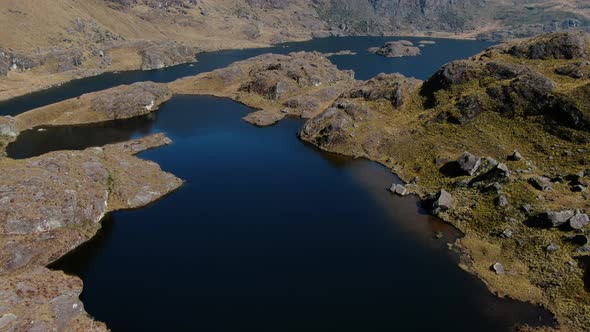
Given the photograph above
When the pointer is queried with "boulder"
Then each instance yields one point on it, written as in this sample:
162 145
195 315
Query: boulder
507 233
499 173
579 220
498 268
129 100
442 201
391 87
552 247
501 201
399 189
467 164
515 156
467 109
8 127
555 218
541 183
156 55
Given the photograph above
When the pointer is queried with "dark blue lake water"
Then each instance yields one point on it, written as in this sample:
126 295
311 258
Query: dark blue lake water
270 234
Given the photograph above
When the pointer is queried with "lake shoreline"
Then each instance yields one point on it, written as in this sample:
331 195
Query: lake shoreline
46 82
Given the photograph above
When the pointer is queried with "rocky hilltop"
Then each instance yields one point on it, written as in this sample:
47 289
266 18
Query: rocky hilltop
44 43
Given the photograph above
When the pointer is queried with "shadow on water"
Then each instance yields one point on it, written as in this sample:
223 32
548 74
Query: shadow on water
270 234
37 141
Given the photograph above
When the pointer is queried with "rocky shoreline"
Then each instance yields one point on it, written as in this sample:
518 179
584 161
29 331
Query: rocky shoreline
50 205
496 145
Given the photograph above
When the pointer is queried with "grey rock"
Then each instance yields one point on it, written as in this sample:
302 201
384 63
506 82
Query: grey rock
562 45
499 173
443 202
583 249
466 109
515 156
6 321
541 183
498 268
507 233
469 163
399 189
552 247
579 220
501 201
557 218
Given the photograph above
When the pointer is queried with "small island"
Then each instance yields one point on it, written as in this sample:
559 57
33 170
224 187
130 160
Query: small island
396 49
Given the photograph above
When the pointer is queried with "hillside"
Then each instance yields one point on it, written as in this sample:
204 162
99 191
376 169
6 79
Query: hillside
43 43
498 146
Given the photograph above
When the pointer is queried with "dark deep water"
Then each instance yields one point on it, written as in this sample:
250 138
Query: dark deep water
365 65
268 233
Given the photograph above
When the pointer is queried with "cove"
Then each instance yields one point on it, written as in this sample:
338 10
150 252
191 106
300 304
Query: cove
270 234
364 63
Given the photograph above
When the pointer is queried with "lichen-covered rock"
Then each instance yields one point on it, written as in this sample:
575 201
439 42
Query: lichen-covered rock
391 87
264 118
39 299
299 84
51 203
129 101
454 73
561 45
579 220
120 102
8 127
276 77
156 55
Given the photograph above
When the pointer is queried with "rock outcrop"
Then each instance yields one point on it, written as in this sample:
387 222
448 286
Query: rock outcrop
298 84
52 203
397 49
508 79
120 102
